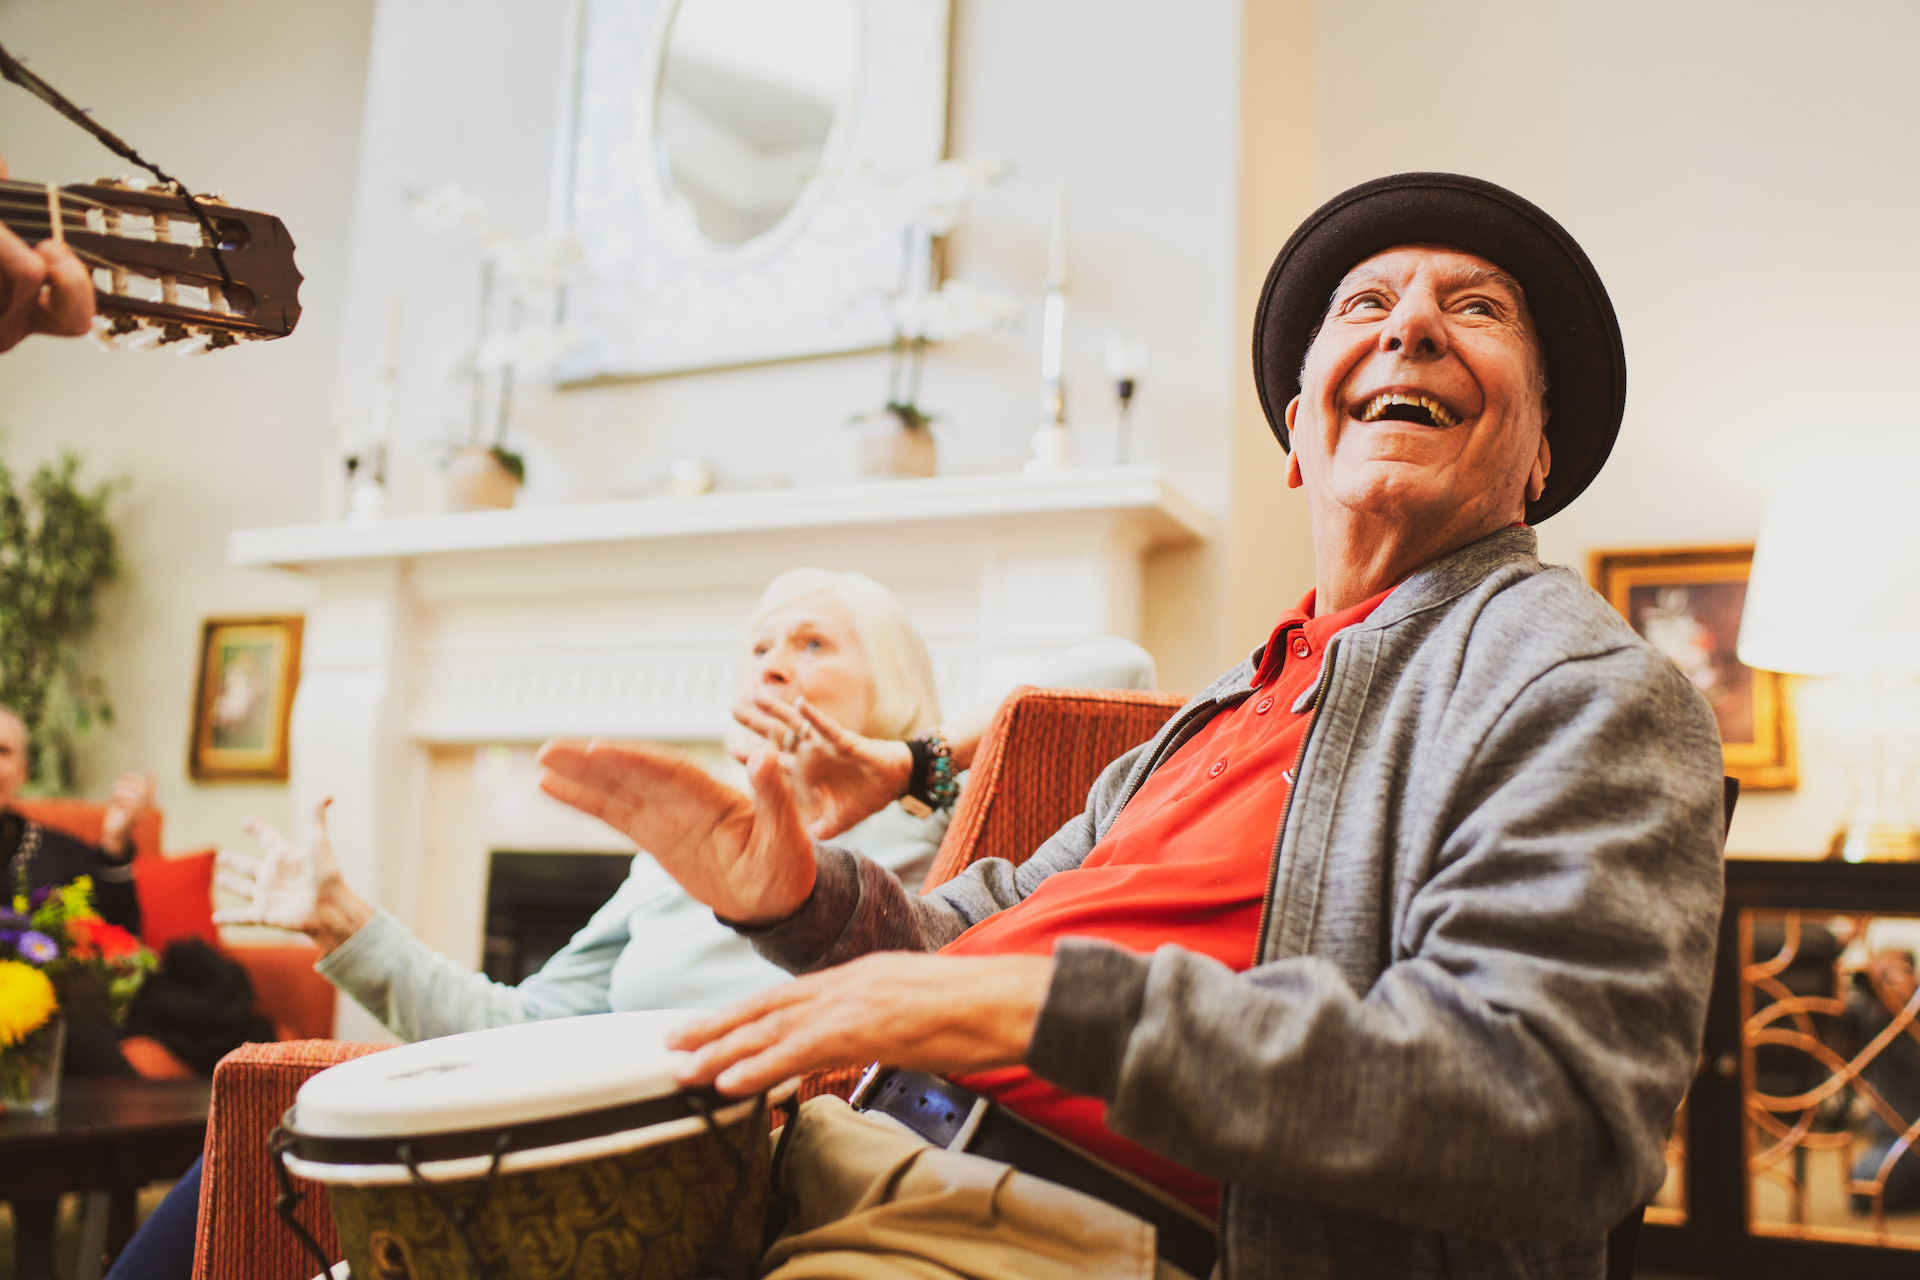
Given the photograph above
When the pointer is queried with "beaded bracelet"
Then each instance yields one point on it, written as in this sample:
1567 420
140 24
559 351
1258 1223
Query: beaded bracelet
931 785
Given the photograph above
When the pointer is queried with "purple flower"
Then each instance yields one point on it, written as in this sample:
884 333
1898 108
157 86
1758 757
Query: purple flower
39 896
12 919
38 947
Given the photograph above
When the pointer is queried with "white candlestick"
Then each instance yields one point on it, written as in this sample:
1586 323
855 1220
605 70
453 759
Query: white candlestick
1057 242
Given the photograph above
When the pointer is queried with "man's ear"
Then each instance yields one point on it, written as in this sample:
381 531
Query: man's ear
1537 474
1293 455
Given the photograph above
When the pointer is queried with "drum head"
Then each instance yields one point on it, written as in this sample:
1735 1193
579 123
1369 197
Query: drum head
504 1076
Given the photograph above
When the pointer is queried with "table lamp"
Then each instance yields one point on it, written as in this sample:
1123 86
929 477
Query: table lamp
1835 592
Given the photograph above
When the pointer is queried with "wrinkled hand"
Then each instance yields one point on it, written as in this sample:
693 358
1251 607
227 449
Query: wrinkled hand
132 796
43 289
747 858
1893 979
943 1014
843 776
293 887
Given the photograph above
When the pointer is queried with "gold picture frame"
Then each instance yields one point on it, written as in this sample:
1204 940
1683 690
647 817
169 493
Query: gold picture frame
243 698
1686 602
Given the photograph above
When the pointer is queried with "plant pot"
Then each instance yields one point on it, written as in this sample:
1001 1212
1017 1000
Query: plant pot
890 446
478 481
30 1071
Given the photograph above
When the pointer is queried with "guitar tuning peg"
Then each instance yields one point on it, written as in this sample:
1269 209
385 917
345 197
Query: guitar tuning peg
110 329
146 339
197 344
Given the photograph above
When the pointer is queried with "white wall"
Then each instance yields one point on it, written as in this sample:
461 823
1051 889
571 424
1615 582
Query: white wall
261 99
1137 114
1742 175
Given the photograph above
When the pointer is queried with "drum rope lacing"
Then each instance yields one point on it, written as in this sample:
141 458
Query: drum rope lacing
460 1215
278 1142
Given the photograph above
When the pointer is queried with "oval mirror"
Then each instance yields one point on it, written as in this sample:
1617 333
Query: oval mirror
748 94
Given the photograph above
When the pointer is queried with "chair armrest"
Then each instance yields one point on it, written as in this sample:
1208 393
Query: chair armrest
239 1235
1036 762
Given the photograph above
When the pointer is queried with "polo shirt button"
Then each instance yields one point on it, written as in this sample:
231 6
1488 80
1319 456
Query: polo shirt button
1301 649
1263 706
1219 767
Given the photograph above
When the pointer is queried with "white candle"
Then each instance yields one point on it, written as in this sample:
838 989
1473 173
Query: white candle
393 335
380 418
919 262
1057 243
1052 331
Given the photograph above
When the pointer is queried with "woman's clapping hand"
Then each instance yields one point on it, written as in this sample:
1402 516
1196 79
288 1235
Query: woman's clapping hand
289 886
841 777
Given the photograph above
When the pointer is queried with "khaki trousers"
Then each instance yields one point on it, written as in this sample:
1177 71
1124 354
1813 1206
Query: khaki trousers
875 1201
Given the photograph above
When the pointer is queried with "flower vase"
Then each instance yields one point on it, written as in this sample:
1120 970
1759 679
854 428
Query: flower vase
30 1070
891 444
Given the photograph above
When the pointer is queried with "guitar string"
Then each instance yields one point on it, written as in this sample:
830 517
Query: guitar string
96 261
13 70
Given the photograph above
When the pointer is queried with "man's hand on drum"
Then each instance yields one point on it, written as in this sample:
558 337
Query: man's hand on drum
44 288
843 776
289 886
945 1014
750 859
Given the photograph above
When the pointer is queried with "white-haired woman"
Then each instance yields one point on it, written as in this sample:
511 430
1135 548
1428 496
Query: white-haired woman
839 641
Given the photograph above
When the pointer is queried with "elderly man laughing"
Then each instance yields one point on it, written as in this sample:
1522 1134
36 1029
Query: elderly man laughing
1387 957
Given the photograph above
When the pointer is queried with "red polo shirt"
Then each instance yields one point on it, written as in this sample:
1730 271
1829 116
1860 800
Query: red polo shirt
1186 865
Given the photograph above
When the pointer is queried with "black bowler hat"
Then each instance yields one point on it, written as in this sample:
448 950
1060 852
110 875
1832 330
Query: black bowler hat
1586 364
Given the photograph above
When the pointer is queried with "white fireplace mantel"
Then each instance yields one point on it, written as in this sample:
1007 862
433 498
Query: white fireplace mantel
1158 514
626 618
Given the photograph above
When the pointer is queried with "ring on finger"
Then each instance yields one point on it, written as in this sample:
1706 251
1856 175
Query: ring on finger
792 740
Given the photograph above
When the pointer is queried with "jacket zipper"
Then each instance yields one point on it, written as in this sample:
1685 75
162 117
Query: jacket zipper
1266 906
1293 789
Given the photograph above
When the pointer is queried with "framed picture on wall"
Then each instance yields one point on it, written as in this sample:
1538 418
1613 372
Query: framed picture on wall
243 699
1686 602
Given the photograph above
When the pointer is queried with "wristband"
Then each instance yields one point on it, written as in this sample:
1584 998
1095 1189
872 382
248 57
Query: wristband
930 784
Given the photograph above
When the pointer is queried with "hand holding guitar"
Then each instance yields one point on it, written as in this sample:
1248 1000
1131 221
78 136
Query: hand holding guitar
44 288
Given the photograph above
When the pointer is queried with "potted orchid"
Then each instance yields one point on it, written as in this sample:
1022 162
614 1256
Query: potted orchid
522 279
57 956
896 440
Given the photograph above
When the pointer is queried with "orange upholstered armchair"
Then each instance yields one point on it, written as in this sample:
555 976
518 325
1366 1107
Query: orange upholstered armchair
1032 772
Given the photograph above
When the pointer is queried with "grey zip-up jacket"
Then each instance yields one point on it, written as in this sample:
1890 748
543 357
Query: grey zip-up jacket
1484 956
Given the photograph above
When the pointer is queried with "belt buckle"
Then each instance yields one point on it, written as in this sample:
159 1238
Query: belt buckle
868 1079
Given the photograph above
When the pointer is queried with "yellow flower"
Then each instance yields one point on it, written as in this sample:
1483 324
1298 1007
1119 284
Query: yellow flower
26 1001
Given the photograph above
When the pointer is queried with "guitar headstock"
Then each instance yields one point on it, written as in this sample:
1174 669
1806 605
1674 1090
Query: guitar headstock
157 273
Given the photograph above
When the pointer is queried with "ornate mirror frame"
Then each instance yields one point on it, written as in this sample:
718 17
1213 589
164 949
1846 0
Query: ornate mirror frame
651 296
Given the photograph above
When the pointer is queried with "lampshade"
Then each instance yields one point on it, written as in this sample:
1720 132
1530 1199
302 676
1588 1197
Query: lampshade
1835 587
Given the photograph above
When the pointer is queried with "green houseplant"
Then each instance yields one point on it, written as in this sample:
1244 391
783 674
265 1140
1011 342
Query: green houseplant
57 550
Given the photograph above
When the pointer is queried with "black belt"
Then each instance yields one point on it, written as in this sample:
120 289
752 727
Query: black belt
948 1116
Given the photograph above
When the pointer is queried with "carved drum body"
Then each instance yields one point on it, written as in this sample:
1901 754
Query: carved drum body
558 1150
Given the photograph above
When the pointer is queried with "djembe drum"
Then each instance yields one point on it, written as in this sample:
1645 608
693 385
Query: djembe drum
560 1150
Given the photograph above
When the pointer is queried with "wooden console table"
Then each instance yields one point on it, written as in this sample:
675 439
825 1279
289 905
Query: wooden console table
110 1136
1718 1234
